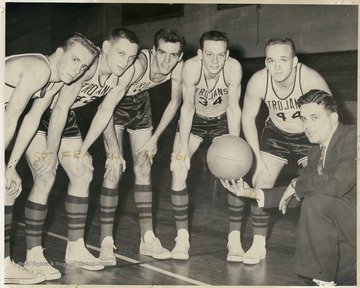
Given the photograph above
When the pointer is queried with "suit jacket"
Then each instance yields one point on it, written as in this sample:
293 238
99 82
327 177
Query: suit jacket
339 177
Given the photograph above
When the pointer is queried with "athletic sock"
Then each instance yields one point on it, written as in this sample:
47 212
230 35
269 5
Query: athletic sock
143 199
260 220
236 208
8 220
180 203
35 215
108 204
76 209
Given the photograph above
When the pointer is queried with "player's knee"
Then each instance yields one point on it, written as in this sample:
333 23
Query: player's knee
45 182
179 175
9 200
112 181
81 177
142 170
264 181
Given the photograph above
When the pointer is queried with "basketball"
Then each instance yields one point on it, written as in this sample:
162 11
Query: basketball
229 157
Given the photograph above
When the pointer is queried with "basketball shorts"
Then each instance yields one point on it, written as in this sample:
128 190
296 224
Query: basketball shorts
71 129
209 127
283 146
134 113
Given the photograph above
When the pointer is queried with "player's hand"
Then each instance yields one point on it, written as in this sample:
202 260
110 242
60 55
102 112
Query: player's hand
47 162
181 159
286 198
260 168
113 165
149 150
83 160
13 182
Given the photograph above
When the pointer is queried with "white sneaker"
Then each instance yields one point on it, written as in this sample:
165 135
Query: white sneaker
256 252
77 255
16 274
107 255
324 283
181 249
37 263
154 249
236 252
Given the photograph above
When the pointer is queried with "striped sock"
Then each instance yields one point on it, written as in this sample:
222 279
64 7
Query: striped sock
236 208
260 220
35 215
7 231
180 203
76 208
143 199
108 203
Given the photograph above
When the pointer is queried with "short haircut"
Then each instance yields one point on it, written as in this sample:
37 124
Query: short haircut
169 35
282 41
123 33
319 97
214 36
77 37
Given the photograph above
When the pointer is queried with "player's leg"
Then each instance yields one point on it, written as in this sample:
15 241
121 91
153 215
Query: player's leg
76 203
109 197
260 217
236 208
36 210
274 146
14 273
180 199
149 244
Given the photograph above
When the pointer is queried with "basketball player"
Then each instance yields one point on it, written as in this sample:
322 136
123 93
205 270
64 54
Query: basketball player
35 76
211 92
58 134
152 68
279 85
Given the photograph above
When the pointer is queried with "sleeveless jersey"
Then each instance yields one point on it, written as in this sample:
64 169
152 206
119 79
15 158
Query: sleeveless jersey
9 87
285 113
214 102
145 83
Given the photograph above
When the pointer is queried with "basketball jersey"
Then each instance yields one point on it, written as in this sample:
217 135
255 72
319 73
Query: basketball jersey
145 83
285 113
93 89
9 87
214 102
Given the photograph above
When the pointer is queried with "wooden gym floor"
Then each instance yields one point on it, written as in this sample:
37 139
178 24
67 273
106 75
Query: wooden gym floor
208 223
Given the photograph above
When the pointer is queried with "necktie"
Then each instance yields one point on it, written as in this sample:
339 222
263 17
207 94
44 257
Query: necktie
320 165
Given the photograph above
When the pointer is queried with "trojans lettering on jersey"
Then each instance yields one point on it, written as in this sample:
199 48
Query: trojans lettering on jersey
214 102
285 113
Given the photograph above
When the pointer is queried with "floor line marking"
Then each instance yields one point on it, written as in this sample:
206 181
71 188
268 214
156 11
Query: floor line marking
125 258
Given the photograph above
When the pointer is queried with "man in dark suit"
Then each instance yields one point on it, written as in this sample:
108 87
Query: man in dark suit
326 241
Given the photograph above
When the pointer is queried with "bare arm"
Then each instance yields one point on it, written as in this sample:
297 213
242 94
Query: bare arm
106 109
233 75
254 94
190 74
170 111
114 159
34 75
255 90
174 103
66 98
310 79
30 124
